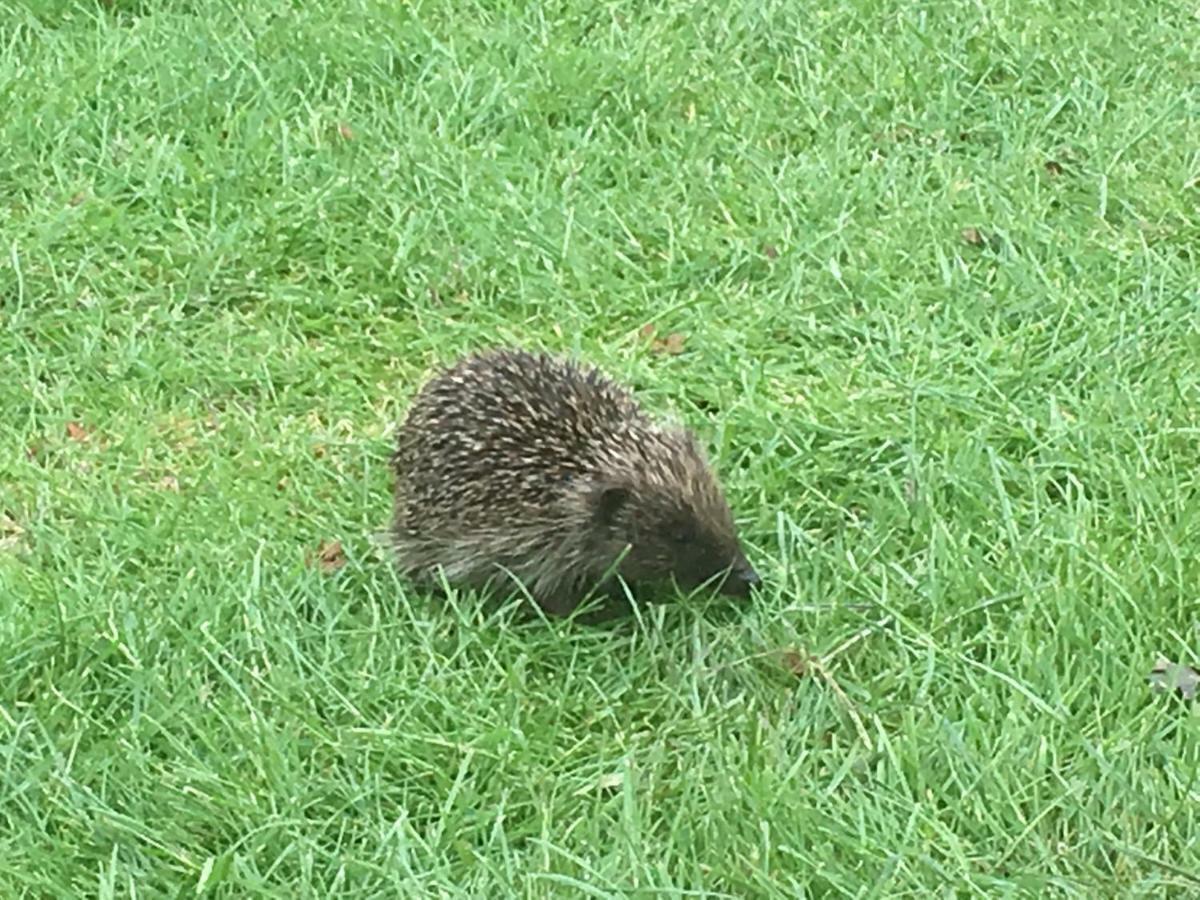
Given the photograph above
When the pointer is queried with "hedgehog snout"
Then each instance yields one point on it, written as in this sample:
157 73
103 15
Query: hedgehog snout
741 579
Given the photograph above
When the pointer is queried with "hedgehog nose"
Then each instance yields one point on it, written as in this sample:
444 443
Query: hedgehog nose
740 580
749 577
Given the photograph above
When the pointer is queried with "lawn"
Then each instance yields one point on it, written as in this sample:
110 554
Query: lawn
934 273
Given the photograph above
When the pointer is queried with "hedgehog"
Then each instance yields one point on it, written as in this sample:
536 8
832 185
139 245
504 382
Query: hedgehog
513 464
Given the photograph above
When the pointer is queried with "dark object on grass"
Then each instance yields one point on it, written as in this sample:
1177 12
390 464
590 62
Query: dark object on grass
512 464
1167 676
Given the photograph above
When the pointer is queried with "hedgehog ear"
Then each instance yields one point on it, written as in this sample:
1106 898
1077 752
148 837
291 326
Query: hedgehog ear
607 503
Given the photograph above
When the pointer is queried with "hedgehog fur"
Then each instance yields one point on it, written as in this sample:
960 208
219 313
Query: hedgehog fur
513 464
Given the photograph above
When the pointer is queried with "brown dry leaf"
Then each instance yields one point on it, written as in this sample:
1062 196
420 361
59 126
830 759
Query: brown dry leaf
1053 168
282 484
1167 676
77 432
672 344
329 556
11 534
796 662
646 331
345 132
77 198
169 483
771 251
972 236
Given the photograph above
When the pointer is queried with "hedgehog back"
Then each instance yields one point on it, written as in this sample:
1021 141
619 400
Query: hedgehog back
498 437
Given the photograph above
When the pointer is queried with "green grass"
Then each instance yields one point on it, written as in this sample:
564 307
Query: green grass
236 237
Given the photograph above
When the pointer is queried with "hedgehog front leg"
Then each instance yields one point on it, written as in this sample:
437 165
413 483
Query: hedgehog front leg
555 604
562 602
614 604
610 610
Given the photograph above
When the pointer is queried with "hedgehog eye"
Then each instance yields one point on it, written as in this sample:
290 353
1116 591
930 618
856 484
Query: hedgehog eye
609 503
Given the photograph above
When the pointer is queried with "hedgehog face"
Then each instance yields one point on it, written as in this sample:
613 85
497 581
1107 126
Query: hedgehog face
676 523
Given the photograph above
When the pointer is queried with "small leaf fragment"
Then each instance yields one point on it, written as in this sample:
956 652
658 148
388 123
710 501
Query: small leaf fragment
77 432
345 131
11 534
672 344
972 236
796 662
611 780
1167 676
771 251
329 556
646 331
607 782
